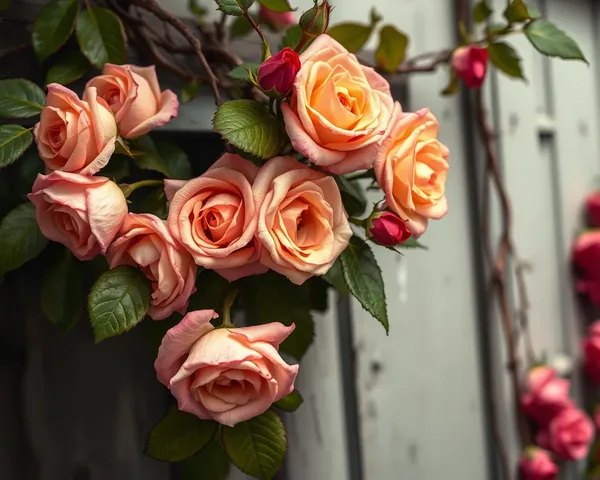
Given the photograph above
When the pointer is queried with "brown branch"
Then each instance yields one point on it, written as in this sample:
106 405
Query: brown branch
155 9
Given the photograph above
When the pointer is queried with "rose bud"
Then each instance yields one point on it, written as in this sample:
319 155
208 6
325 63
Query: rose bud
315 21
568 435
279 71
470 63
591 352
277 21
586 258
387 229
592 204
547 395
536 464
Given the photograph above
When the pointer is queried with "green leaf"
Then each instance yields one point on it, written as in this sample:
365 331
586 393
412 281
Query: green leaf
453 84
101 37
62 292
162 157
257 446
319 294
198 10
353 197
20 238
494 29
481 11
412 243
190 90
240 27
68 68
234 7
14 140
20 98
291 402
516 11
117 169
210 463
335 277
155 202
352 36
300 340
277 5
53 26
506 59
241 71
118 301
364 280
292 37
179 435
392 48
552 42
250 127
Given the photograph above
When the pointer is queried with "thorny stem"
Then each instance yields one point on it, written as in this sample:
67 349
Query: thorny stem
255 27
129 189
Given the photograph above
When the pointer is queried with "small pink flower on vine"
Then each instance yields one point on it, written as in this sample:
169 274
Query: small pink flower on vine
470 63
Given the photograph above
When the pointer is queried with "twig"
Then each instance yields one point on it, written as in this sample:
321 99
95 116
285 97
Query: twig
5 52
255 27
155 9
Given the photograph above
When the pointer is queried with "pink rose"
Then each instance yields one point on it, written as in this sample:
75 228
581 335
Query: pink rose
592 205
388 229
82 213
276 20
145 242
339 110
546 396
73 135
214 217
536 464
302 224
568 435
470 63
134 96
279 71
591 352
412 167
586 257
227 374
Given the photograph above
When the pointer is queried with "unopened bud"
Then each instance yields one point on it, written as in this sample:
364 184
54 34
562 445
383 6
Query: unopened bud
387 229
315 21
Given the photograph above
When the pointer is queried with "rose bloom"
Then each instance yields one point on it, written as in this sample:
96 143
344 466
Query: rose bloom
214 217
73 135
592 204
144 241
536 464
586 257
227 374
412 167
568 435
546 396
470 64
82 213
134 96
302 223
591 352
339 110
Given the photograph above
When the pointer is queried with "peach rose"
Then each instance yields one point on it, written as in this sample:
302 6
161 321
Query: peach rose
339 109
227 374
144 241
412 167
302 224
82 213
134 96
73 135
214 217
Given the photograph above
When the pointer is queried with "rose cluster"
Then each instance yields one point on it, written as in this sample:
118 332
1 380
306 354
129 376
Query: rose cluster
237 218
586 253
562 429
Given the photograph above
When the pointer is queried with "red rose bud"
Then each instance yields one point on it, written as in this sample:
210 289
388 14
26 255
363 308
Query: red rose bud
470 63
279 71
277 21
315 21
592 204
536 464
387 229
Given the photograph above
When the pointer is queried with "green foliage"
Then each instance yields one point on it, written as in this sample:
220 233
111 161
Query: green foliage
353 196
516 11
453 84
291 402
245 71
210 463
335 277
292 37
116 169
68 68
20 98
101 37
412 243
234 7
250 127
53 26
211 293
118 301
552 42
481 11
179 435
351 35
506 59
14 140
190 90
20 238
155 202
257 446
162 157
62 292
364 280
392 48
240 27
277 5
198 10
